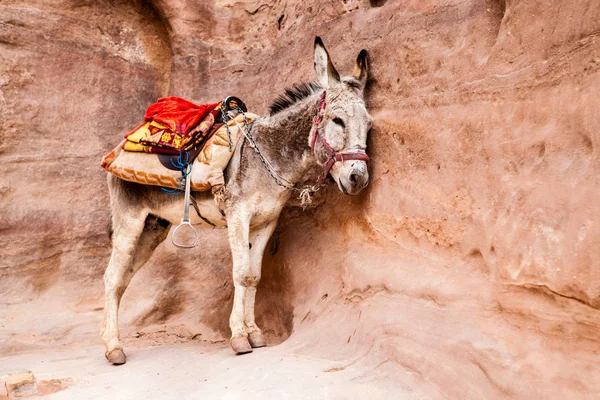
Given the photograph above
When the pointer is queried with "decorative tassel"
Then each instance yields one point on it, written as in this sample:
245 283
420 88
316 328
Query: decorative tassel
305 197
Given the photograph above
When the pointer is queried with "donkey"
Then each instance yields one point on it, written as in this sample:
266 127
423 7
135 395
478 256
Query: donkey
313 131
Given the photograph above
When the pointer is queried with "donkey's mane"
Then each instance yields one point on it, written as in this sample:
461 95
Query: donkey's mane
293 95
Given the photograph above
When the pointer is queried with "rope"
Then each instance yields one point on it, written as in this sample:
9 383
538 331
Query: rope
182 164
305 193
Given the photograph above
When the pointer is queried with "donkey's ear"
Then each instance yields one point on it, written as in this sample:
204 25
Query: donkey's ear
361 69
326 73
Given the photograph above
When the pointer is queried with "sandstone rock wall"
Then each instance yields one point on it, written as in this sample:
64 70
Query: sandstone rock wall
468 269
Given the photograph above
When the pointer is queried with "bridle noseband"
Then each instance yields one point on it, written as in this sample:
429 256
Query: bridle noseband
334 156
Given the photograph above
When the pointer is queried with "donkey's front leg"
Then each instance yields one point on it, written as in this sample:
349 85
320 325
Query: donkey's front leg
238 225
259 237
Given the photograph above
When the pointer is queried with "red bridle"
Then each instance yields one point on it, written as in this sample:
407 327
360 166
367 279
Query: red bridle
333 155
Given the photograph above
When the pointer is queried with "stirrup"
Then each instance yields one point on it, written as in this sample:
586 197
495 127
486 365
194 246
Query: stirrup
185 220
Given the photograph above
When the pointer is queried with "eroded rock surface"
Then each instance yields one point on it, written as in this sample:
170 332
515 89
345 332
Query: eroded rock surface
468 269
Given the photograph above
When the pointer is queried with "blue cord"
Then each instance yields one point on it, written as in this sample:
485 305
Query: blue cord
182 164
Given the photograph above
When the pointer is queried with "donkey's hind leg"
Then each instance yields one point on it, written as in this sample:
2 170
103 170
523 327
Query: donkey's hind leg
134 241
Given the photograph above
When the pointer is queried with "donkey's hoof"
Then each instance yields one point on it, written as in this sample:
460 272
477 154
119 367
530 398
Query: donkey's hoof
256 339
241 345
116 356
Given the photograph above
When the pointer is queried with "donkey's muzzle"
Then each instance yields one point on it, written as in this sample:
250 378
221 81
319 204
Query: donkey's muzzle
355 180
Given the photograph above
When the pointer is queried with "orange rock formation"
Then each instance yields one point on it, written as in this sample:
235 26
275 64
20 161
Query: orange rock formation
470 268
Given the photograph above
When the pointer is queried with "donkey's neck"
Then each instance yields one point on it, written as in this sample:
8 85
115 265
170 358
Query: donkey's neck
283 139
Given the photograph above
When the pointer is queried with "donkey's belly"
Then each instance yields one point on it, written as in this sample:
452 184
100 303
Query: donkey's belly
209 216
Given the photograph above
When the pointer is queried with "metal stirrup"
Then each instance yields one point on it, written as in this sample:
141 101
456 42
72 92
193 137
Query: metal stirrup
185 220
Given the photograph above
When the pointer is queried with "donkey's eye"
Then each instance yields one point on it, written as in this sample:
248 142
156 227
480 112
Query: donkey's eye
339 122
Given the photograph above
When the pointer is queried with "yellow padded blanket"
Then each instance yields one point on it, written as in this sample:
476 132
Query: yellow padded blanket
207 169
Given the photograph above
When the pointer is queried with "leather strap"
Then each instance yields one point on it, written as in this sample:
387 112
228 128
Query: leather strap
333 155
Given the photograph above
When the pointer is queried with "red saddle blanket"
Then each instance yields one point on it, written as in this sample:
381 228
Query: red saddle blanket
172 124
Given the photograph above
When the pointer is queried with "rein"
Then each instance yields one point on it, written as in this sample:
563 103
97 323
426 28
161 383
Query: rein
334 156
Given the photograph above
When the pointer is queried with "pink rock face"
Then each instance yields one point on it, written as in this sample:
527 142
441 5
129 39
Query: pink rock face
468 269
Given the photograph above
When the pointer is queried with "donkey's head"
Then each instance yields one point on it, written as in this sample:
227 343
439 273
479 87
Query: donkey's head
345 122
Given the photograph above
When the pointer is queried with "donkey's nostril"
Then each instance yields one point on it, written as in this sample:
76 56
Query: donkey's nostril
353 178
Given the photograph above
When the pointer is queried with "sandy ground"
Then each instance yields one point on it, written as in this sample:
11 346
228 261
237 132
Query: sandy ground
197 371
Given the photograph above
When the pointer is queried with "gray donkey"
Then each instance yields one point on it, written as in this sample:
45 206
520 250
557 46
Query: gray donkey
313 131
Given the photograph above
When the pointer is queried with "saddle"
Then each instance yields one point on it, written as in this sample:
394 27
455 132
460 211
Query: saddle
175 133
